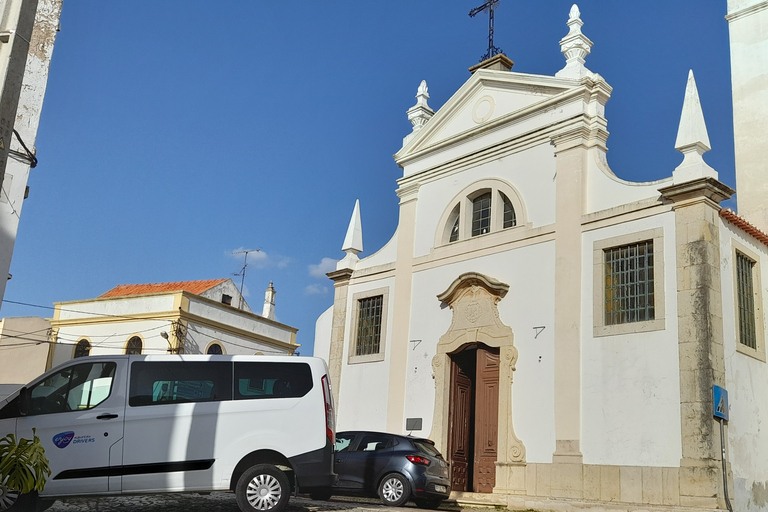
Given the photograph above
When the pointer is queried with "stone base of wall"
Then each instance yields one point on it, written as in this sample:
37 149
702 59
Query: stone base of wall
580 487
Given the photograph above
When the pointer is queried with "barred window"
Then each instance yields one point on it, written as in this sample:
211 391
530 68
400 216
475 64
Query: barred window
629 286
369 325
134 346
481 214
746 300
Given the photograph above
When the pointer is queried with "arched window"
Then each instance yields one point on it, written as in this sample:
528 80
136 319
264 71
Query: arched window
509 212
134 346
214 349
487 206
82 349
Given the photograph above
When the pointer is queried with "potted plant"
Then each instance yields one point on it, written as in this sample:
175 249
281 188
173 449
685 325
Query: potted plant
24 469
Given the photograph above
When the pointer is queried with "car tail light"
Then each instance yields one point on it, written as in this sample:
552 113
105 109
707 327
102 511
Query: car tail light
330 431
416 459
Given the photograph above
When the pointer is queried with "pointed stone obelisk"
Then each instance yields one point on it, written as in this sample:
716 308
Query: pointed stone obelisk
353 242
692 138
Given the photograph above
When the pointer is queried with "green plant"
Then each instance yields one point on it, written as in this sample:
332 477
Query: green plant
23 464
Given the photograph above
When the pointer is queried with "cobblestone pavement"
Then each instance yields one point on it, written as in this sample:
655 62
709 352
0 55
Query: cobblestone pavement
224 502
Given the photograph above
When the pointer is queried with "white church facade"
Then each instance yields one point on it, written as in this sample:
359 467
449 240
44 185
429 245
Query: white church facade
556 330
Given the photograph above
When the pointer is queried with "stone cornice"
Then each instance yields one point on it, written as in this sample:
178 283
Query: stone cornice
340 277
752 9
696 190
494 287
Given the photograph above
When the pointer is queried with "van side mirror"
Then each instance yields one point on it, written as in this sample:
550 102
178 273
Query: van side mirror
24 399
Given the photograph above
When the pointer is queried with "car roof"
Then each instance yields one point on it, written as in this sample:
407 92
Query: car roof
376 433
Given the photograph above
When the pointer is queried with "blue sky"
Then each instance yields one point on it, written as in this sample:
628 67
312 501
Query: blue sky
174 133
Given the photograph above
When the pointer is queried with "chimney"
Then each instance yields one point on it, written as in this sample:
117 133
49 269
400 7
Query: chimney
269 303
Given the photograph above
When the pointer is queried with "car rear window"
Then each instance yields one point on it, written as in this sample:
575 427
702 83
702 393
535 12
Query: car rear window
426 447
271 380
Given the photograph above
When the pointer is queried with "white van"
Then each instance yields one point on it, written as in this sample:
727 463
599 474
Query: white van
257 425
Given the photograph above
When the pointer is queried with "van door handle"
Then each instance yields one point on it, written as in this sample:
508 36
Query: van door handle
339 461
106 416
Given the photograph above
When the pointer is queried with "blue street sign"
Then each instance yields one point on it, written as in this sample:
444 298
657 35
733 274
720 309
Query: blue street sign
720 396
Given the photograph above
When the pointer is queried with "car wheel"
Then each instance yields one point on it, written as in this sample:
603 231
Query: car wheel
262 487
14 501
321 495
427 502
394 490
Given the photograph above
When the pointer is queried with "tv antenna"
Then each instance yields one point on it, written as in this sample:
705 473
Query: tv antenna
490 6
241 274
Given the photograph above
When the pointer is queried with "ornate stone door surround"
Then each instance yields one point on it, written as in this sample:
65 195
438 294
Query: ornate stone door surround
473 298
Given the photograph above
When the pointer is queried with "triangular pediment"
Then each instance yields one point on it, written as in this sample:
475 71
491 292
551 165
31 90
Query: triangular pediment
487 97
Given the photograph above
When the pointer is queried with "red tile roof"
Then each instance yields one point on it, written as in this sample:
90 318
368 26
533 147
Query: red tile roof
741 222
196 287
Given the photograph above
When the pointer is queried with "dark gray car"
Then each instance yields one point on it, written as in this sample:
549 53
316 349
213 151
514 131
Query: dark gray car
393 467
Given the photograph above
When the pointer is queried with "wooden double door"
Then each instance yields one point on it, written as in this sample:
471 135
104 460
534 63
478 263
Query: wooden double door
474 417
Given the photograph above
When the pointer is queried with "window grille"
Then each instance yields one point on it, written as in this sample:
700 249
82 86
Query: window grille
133 346
746 300
481 214
509 213
629 283
369 325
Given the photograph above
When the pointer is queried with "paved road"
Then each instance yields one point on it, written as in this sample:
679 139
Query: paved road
221 502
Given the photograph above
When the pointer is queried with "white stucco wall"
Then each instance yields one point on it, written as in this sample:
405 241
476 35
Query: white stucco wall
234 318
364 387
746 382
631 382
115 306
529 304
530 172
111 338
323 327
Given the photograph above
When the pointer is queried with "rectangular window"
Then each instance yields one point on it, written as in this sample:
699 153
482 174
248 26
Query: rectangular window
369 325
160 383
746 300
271 380
629 284
76 388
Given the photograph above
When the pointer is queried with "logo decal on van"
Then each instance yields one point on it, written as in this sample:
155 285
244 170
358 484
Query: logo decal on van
63 439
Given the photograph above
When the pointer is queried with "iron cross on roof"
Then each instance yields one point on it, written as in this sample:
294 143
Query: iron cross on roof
490 6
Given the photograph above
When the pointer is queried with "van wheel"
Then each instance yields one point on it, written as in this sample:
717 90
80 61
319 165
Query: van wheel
262 487
394 490
14 501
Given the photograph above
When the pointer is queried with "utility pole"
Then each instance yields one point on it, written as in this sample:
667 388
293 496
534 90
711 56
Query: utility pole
241 274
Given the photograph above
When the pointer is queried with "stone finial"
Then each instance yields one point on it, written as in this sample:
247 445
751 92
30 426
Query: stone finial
575 46
268 311
420 113
692 138
353 242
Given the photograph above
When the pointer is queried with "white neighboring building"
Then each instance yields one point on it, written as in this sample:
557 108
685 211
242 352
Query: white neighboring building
23 351
616 306
189 317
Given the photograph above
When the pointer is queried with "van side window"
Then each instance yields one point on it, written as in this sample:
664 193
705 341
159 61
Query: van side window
161 383
271 380
76 388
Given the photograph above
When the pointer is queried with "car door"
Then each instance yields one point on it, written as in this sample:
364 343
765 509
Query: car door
345 442
363 465
77 413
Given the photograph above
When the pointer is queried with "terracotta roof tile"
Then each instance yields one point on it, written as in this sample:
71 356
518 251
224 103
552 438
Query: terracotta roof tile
196 287
741 222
